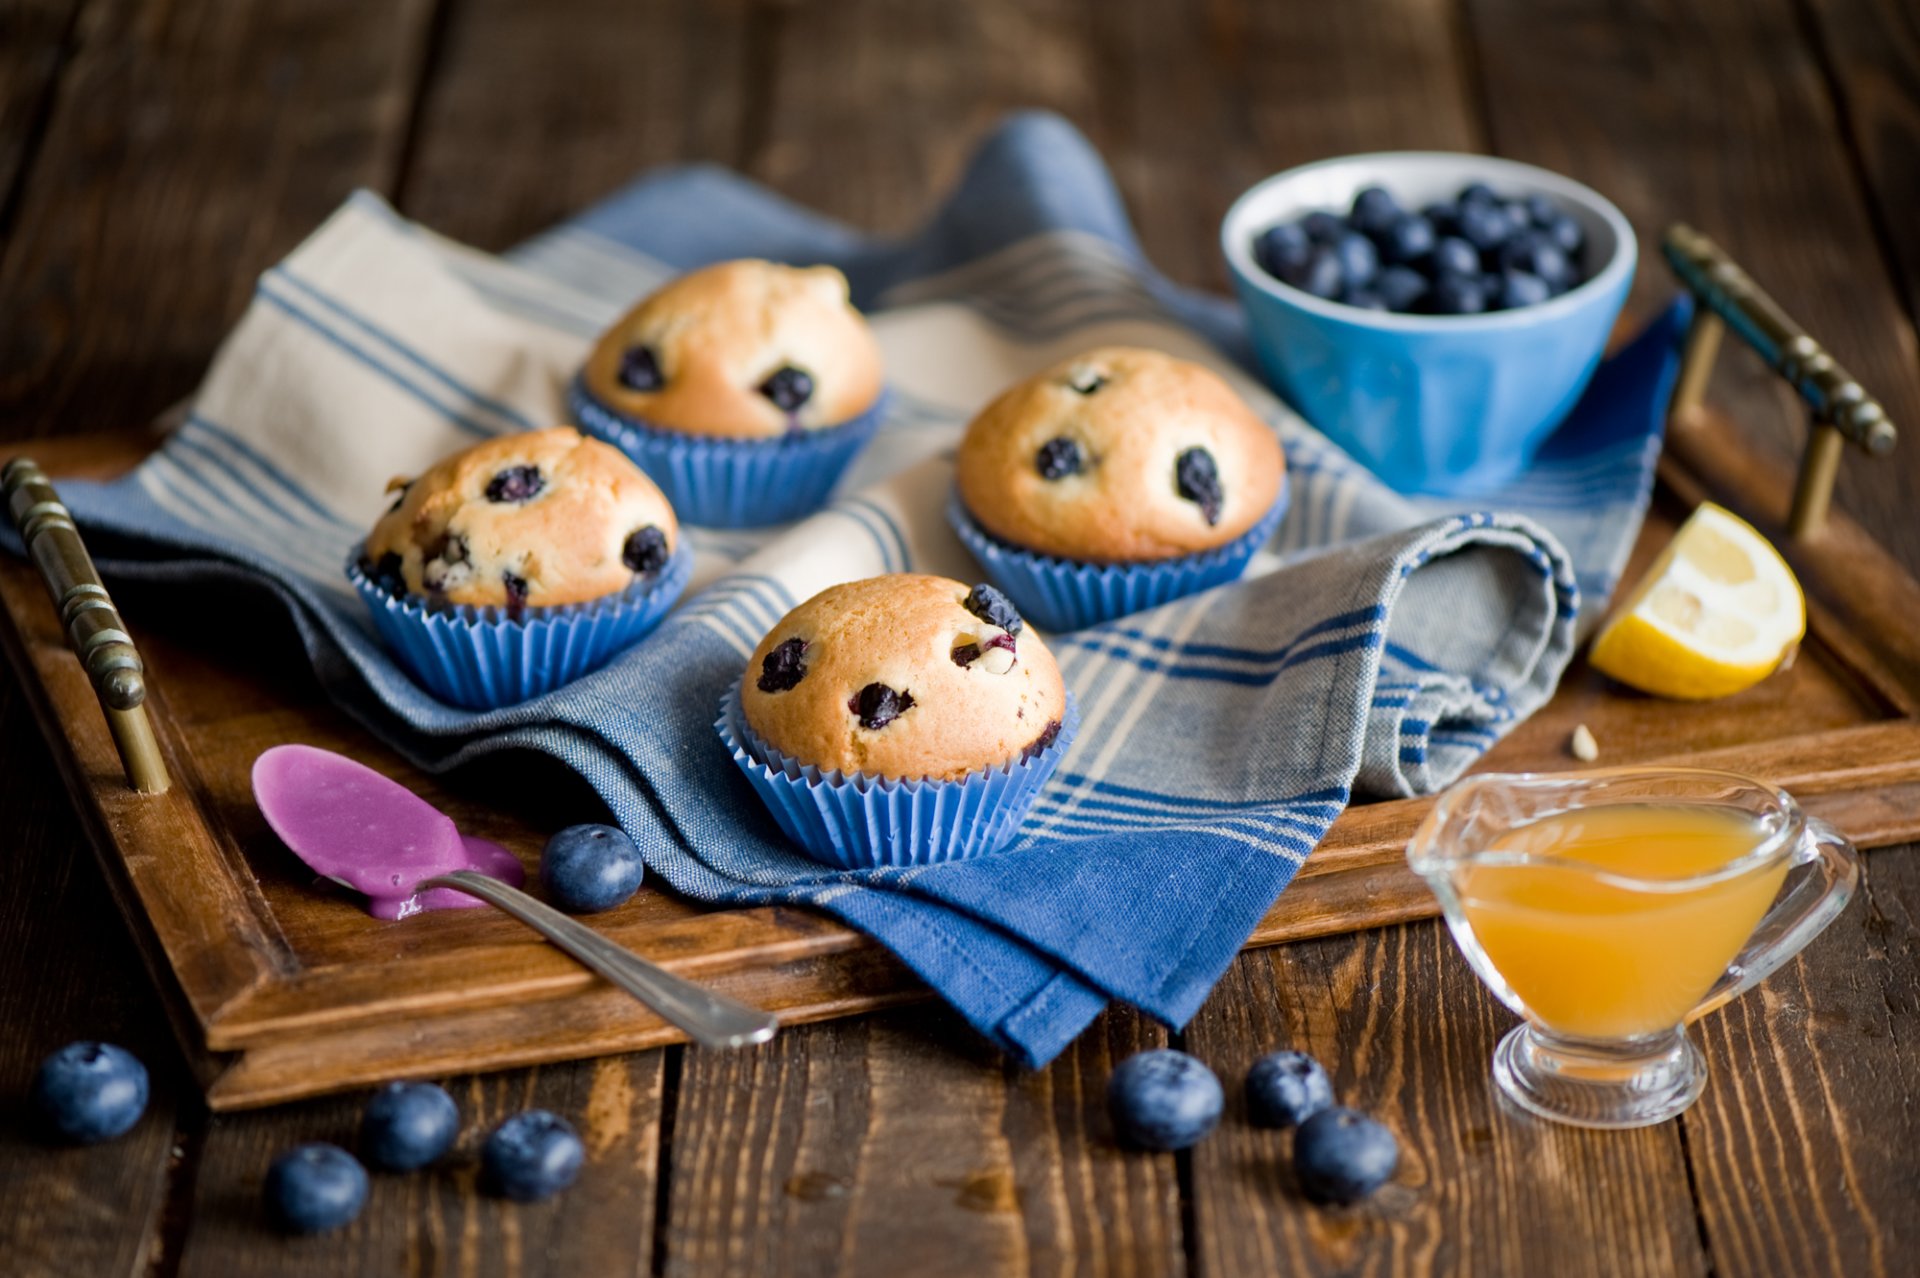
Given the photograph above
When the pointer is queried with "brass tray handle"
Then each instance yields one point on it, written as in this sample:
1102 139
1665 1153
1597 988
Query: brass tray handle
93 624
1842 411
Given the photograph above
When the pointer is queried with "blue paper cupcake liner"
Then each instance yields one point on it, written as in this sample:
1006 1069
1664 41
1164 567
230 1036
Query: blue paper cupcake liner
481 658
1070 594
858 822
732 483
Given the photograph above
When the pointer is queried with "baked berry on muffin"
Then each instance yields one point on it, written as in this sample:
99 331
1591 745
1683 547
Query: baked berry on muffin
745 349
539 519
904 677
1119 456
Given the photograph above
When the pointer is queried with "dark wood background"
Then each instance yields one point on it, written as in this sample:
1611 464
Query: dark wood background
156 154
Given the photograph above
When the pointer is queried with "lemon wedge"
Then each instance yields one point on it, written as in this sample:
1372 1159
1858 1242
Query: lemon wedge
1718 612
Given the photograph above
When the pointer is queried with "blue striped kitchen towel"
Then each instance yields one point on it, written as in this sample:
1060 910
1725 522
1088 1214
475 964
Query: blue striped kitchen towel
1379 645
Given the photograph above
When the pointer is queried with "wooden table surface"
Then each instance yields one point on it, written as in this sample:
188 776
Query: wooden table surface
155 155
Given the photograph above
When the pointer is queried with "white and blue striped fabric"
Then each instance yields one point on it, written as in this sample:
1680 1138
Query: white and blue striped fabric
1378 646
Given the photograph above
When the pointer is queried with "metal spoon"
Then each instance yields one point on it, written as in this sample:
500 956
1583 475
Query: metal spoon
709 1019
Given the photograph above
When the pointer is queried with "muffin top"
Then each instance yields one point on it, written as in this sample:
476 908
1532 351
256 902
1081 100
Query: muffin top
1119 455
746 349
904 676
544 518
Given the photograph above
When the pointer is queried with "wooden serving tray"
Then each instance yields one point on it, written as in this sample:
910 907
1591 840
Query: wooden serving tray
280 988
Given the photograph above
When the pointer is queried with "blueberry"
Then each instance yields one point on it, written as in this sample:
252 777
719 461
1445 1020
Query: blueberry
640 369
1457 295
1565 233
531 1156
314 1188
1359 260
782 669
1476 193
1366 299
1401 288
88 1092
516 588
1518 288
645 550
1341 1156
877 705
1537 255
1286 1089
788 387
387 574
1322 227
1163 1100
1321 276
408 1125
516 484
1485 225
994 608
1282 249
965 654
1058 458
1444 214
1454 256
1409 239
1540 210
1197 478
1374 209
1048 735
589 868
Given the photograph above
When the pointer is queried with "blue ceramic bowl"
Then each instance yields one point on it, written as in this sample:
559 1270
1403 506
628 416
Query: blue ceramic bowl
1446 404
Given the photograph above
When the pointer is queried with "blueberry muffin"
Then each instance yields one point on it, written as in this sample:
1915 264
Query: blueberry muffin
539 519
904 677
1119 456
742 350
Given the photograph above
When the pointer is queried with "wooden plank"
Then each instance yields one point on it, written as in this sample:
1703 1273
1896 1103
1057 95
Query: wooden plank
205 136
896 1144
1407 1034
36 39
1806 1144
1719 115
1871 54
437 1221
94 1209
600 90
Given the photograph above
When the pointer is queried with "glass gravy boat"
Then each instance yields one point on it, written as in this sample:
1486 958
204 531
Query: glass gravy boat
1610 908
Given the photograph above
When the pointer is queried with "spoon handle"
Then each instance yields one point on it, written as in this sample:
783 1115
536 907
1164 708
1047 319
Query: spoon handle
708 1018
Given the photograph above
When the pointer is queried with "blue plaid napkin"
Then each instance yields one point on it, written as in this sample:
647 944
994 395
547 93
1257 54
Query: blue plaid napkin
1378 646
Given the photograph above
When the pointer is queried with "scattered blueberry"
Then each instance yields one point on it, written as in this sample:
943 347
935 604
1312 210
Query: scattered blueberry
1282 249
1197 478
314 1188
1058 458
1286 1089
1454 256
387 574
589 868
645 550
1457 295
408 1125
1518 288
1163 1100
994 608
1374 209
877 705
1359 260
1341 1156
1323 227
89 1092
1409 239
531 1156
516 484
640 369
1321 276
782 669
788 387
1401 287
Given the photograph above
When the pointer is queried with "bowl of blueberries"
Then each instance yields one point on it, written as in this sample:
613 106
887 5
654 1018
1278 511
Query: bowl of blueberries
1436 315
